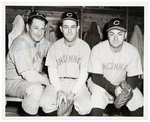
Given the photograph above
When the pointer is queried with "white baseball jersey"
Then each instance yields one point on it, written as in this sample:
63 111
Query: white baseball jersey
68 72
24 55
115 66
68 60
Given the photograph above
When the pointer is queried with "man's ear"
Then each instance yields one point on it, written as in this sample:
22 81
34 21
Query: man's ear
46 26
126 35
78 28
27 27
60 28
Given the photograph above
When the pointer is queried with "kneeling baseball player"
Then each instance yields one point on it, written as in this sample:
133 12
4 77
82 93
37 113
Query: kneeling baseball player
67 62
114 66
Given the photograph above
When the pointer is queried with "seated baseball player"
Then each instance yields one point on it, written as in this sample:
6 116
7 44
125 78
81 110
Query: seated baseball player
114 66
67 62
24 77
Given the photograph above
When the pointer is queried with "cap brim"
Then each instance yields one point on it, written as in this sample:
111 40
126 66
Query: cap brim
117 27
69 19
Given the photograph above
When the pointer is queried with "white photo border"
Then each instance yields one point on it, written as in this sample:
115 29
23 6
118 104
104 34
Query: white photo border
144 3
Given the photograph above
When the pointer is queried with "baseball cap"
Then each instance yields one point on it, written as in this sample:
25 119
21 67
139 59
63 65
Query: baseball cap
116 23
69 15
37 14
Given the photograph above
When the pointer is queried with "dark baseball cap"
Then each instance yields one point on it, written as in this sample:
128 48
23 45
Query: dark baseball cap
69 15
116 23
37 14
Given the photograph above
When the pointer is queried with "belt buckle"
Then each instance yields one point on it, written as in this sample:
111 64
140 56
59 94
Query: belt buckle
67 78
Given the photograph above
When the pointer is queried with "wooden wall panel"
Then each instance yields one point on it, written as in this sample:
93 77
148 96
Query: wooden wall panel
101 17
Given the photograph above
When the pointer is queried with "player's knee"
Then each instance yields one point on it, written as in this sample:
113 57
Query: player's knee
48 104
35 90
85 109
137 112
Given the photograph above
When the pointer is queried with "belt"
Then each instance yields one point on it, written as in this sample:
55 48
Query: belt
67 78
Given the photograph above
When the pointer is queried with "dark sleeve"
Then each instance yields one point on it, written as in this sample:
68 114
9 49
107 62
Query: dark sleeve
133 81
104 83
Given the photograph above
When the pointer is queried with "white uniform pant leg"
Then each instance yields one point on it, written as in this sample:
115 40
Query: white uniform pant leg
30 92
82 101
99 96
30 103
48 100
16 88
136 101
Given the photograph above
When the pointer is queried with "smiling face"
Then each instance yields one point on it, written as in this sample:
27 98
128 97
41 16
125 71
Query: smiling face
70 30
36 30
116 39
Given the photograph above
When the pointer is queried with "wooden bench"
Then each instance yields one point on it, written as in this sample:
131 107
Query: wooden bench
12 105
13 99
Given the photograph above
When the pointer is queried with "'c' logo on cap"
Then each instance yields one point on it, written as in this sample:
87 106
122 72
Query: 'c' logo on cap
116 22
69 14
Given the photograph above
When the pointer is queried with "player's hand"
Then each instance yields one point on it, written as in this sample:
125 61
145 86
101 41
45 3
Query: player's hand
45 81
60 96
124 96
65 109
118 90
71 96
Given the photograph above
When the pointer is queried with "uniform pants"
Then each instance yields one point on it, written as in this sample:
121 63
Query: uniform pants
101 98
32 94
82 99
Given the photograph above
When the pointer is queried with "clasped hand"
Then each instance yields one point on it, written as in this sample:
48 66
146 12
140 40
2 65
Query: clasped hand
61 96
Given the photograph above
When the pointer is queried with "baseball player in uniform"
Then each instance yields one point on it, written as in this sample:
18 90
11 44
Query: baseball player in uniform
111 62
24 77
67 62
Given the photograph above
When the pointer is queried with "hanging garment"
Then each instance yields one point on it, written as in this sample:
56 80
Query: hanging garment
137 40
100 33
92 36
50 33
18 29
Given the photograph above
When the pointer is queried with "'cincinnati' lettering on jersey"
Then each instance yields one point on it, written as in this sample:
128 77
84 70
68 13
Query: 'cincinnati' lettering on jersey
68 58
114 66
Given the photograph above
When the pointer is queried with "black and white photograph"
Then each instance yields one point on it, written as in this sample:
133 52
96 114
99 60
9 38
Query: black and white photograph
85 61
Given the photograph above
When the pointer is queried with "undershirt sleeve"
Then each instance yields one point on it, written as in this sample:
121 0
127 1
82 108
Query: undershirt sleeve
100 80
52 68
83 69
133 81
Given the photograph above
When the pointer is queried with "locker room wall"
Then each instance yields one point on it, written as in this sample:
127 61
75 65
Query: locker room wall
99 14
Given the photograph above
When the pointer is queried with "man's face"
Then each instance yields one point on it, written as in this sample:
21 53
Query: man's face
36 30
69 29
116 38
